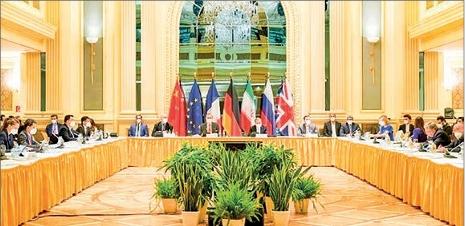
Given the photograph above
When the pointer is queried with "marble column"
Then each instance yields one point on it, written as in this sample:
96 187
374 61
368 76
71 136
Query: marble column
128 58
30 82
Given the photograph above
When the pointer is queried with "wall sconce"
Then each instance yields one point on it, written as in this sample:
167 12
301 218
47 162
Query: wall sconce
371 30
92 41
92 14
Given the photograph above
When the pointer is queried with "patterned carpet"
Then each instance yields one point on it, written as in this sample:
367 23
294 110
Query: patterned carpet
123 199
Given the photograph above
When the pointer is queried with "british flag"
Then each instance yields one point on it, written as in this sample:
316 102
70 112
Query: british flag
285 114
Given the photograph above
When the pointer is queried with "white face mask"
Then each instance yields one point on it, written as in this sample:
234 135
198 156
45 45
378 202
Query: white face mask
406 121
88 125
332 119
72 124
164 120
381 123
458 135
138 120
14 131
209 120
258 124
54 121
350 122
33 131
308 122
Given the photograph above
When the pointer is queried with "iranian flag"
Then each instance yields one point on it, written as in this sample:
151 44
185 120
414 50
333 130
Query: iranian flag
248 108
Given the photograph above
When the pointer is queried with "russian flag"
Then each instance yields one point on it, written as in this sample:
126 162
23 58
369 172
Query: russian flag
268 109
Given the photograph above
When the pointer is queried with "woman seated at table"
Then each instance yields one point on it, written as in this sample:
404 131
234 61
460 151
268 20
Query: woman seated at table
26 137
419 134
9 129
384 128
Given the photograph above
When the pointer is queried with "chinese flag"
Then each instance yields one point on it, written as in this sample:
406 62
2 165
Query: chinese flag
177 114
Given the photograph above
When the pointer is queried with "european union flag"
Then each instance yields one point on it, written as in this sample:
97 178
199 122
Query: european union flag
195 118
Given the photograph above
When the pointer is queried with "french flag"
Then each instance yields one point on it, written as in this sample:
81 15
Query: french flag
268 109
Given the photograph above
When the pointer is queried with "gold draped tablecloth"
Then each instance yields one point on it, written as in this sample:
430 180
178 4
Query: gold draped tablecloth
153 151
436 188
27 190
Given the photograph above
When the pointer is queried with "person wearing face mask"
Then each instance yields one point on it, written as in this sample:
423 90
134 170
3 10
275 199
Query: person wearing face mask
332 127
455 146
138 128
67 131
209 126
443 124
52 129
419 133
384 128
407 127
161 127
26 137
436 135
85 127
349 128
307 127
9 130
257 128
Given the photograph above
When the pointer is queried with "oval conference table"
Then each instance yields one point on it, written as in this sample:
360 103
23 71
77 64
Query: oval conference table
30 185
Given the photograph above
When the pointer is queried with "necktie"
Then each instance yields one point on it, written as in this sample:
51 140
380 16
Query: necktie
137 131
209 128
163 126
351 129
55 129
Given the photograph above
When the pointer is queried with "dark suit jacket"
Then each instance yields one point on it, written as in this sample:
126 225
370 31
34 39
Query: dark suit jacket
158 128
346 129
7 140
455 145
253 130
440 138
403 127
312 129
67 134
80 130
53 138
144 130
328 129
23 139
448 129
204 128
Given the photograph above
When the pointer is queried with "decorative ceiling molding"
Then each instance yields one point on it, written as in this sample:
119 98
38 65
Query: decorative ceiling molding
446 19
17 18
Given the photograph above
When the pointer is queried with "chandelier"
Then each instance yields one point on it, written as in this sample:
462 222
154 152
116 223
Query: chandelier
229 21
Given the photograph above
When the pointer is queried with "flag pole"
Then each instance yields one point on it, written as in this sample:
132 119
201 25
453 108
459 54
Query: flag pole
249 76
231 75
195 75
213 75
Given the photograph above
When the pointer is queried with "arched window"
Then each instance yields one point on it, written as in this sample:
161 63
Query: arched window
235 38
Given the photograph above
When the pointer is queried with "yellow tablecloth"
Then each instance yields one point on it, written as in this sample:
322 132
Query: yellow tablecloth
145 152
27 190
436 188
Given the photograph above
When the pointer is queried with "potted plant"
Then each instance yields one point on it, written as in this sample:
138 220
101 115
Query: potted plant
190 168
306 189
281 185
167 191
234 205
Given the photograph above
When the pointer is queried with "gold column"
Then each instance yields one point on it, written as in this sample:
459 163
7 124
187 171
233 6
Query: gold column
317 86
148 79
431 80
128 57
53 59
411 86
337 54
30 82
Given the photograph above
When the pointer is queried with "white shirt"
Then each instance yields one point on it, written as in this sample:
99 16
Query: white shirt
334 130
258 128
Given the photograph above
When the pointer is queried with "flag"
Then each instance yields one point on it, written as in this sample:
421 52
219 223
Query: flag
195 118
285 118
248 108
268 109
177 113
212 105
231 114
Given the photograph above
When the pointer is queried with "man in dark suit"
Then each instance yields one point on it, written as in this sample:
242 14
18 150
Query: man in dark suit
436 135
349 128
139 128
443 124
52 129
162 126
407 127
307 127
458 132
10 129
257 128
85 127
66 131
209 126
332 127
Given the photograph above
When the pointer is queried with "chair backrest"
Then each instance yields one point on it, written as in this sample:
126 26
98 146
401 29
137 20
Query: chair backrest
449 113
41 135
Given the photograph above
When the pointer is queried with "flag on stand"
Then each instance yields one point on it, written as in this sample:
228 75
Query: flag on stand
231 113
177 113
213 104
268 109
248 108
285 118
195 118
